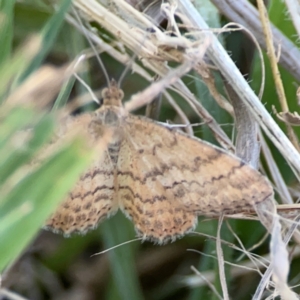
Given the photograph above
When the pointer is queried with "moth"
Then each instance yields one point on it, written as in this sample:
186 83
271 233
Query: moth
160 178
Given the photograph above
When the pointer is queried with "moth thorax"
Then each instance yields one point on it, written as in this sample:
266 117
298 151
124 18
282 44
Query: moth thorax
111 118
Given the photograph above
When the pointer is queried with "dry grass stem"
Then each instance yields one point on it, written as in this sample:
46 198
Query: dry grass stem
236 271
180 112
244 13
221 59
294 11
152 91
276 74
262 64
280 185
221 260
209 284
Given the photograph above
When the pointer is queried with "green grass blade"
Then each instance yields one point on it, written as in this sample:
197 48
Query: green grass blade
24 210
11 160
12 68
6 28
48 33
125 279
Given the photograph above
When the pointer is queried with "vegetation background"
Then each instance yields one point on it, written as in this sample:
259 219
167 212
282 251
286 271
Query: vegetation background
36 264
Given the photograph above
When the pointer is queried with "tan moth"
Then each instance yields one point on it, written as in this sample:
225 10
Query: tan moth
161 178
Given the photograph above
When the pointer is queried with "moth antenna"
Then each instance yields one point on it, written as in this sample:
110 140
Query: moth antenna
93 48
128 66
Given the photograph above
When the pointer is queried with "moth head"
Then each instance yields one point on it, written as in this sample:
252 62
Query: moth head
112 95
